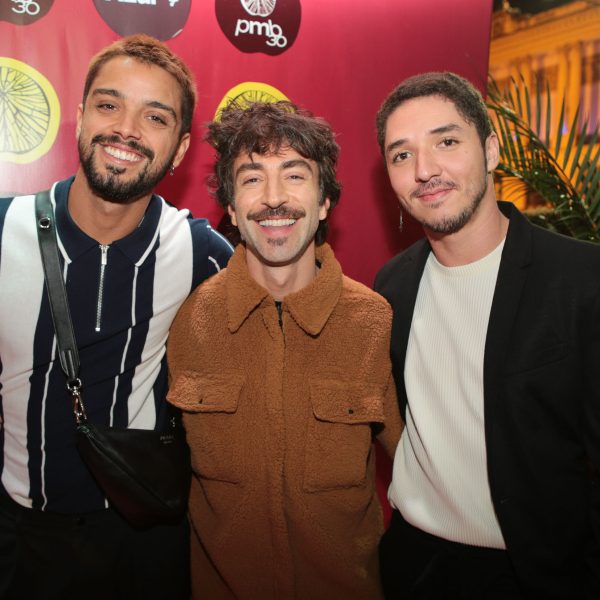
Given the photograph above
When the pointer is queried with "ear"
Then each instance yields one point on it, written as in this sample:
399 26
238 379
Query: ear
324 209
79 119
492 151
184 144
231 211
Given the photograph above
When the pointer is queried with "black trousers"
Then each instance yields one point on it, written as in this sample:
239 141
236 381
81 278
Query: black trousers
418 566
45 556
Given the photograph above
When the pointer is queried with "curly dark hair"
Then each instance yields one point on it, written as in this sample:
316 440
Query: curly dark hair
150 51
265 128
450 86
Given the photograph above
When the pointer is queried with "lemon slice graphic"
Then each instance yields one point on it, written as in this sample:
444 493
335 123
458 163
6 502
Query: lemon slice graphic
29 112
262 8
250 91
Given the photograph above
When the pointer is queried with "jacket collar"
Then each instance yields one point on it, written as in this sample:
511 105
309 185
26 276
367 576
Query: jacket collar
74 242
512 277
402 288
310 307
518 247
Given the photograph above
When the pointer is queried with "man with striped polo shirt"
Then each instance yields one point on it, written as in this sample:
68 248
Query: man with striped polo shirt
130 260
495 347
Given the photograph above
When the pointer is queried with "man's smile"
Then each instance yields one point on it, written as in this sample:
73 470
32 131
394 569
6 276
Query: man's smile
120 154
433 191
276 222
127 151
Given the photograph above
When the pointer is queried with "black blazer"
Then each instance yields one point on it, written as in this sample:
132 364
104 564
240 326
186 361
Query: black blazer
541 378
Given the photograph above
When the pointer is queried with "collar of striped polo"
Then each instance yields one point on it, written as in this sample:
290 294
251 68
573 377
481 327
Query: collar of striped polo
73 242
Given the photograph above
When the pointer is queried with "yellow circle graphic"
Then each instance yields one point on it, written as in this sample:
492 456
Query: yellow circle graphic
29 112
250 91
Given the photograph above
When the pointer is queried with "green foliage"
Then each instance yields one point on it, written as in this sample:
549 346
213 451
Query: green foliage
556 160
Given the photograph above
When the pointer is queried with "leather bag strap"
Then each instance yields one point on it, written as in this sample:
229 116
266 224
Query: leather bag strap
57 295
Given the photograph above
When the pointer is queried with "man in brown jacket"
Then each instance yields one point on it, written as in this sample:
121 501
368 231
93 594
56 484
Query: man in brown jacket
282 366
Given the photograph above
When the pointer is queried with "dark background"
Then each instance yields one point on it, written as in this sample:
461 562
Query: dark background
531 6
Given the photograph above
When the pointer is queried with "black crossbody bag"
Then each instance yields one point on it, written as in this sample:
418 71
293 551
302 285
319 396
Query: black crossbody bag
145 474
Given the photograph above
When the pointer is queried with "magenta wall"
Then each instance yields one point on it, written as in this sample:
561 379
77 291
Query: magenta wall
342 57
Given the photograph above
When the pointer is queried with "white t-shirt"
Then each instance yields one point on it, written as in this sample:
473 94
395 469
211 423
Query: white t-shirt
440 478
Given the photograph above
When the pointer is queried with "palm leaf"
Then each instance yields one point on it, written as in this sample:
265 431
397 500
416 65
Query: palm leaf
560 163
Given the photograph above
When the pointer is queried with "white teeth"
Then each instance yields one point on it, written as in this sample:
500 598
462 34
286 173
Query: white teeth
276 222
121 154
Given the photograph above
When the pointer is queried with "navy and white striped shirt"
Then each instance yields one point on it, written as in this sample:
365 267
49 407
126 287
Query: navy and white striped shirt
123 298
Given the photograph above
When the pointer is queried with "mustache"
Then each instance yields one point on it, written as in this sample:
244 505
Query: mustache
431 185
282 212
115 139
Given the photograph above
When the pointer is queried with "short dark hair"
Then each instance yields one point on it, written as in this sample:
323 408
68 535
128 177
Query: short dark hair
267 127
150 51
450 86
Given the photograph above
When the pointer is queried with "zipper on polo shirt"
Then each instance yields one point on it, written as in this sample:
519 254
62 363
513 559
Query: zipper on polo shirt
103 262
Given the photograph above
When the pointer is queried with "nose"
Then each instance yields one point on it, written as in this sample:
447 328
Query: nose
126 125
275 194
426 166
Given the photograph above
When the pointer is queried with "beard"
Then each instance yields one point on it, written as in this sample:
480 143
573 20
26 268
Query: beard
112 187
453 223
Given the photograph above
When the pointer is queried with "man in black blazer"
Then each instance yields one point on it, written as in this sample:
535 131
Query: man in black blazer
496 354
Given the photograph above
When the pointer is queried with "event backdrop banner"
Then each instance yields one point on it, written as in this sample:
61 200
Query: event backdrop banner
339 58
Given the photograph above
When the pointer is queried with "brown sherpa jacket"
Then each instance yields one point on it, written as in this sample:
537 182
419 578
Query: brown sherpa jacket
280 419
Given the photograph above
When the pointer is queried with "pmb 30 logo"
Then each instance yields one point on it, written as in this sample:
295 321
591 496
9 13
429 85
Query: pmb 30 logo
269 30
24 12
268 26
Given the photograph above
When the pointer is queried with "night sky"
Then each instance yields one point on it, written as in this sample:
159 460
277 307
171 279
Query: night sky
532 6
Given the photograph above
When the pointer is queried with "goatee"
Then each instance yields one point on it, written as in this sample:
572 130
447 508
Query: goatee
453 223
111 187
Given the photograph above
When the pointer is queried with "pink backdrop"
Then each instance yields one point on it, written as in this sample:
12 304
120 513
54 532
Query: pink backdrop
341 59
345 58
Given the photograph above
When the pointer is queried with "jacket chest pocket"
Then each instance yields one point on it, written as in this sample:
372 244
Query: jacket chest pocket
339 434
214 430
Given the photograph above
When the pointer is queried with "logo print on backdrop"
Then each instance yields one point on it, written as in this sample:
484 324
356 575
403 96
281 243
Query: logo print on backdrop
162 19
249 91
24 12
29 112
262 8
268 26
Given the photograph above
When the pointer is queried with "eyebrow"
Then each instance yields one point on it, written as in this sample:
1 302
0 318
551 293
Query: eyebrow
288 164
249 166
435 131
296 162
151 103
